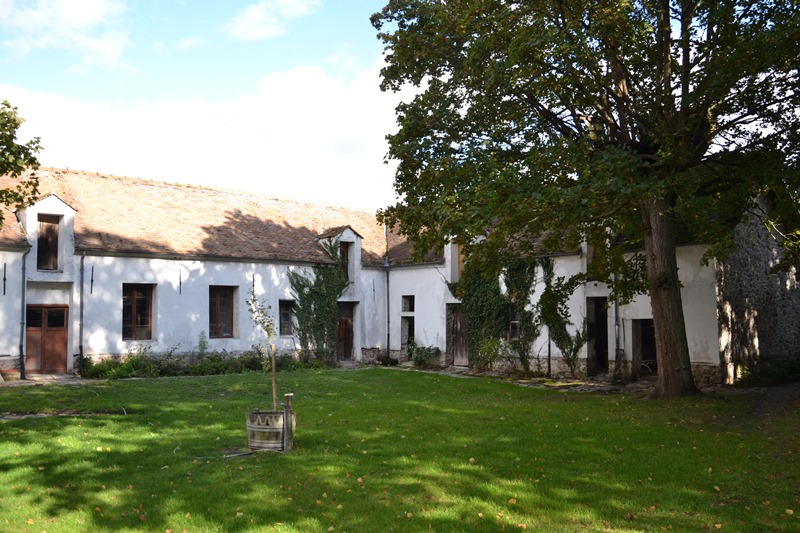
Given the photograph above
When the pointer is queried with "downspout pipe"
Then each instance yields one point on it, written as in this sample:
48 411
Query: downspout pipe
80 320
22 314
388 306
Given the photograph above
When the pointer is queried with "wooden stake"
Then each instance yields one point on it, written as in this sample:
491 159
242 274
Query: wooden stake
274 381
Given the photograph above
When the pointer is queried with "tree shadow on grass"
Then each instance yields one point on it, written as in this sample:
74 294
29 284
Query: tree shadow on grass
416 458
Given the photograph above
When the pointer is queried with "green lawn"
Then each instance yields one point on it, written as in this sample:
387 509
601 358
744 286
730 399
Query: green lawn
392 450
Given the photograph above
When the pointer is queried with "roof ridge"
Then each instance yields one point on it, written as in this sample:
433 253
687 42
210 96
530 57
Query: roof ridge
191 186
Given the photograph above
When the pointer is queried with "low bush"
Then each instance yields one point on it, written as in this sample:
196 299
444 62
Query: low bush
140 362
423 356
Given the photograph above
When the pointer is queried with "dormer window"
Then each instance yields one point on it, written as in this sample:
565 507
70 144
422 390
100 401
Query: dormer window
47 244
344 257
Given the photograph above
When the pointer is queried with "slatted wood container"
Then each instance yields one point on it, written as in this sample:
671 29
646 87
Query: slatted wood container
265 430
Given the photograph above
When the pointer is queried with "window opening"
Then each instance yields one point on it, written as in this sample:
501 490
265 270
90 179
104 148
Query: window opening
220 311
286 313
137 301
344 257
47 243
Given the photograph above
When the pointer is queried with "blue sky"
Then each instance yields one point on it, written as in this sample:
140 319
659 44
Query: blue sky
278 97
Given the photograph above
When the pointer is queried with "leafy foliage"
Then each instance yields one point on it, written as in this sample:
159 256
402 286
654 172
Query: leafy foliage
423 356
485 311
316 307
261 314
520 279
615 123
554 313
140 362
16 159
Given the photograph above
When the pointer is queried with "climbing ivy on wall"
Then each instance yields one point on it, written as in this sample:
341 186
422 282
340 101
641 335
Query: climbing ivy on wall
485 314
520 278
554 313
316 307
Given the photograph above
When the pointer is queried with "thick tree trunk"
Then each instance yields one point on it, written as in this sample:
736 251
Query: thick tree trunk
672 348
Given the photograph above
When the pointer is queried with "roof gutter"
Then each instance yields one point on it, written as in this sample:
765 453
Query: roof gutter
386 265
22 314
80 320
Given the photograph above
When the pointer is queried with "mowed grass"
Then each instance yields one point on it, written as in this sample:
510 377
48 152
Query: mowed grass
392 450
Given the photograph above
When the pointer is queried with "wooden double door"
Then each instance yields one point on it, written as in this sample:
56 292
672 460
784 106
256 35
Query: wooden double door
46 338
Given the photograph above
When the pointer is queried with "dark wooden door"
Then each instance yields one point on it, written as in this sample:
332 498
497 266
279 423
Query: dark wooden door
344 336
456 337
46 336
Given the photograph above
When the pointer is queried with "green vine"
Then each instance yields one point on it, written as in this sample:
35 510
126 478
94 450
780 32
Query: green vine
485 314
554 313
316 307
520 278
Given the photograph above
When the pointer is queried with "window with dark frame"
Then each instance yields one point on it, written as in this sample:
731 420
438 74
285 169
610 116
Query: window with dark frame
220 311
47 243
407 332
344 257
137 311
513 324
286 312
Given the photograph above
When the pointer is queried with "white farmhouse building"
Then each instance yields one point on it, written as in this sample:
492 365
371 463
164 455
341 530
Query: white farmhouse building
101 265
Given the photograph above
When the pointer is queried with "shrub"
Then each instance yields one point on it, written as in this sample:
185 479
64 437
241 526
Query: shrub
490 351
423 356
387 361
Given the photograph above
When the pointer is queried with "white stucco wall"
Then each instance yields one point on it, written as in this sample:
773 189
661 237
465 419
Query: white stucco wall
180 302
566 266
428 285
698 295
10 302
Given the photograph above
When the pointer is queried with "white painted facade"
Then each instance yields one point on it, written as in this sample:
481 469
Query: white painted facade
698 294
89 283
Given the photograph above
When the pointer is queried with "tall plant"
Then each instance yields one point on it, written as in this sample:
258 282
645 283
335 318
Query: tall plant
520 277
485 313
261 314
554 313
316 306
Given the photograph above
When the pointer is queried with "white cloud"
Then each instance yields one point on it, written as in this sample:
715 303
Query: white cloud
301 134
268 18
85 26
190 42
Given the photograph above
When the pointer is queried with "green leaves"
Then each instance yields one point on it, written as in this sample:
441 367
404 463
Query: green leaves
316 306
16 159
551 116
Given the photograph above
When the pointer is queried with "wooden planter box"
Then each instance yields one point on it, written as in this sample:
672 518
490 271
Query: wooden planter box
265 430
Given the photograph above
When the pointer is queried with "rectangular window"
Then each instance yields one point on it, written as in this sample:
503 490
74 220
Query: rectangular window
285 308
513 324
344 257
408 304
220 311
47 243
406 331
137 302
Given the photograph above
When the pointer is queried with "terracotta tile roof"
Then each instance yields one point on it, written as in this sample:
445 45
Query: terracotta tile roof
129 215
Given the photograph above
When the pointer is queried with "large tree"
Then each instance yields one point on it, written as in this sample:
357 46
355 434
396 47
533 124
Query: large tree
16 160
624 124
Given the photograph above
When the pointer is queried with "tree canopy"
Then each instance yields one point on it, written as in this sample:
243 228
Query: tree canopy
16 159
623 124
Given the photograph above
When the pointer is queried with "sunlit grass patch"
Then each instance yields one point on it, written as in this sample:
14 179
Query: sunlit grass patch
392 451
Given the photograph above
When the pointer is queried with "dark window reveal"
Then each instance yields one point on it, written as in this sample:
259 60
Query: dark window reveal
220 311
344 257
286 317
47 244
137 301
